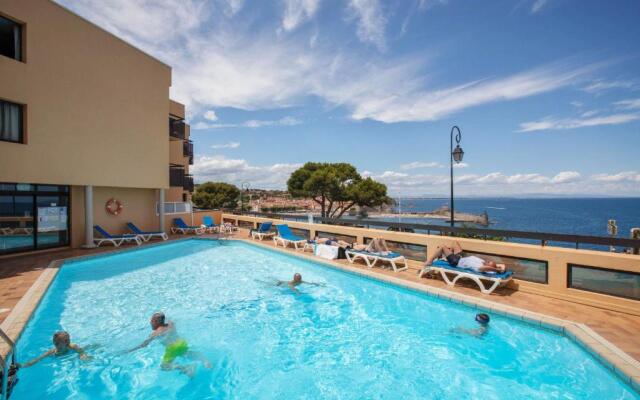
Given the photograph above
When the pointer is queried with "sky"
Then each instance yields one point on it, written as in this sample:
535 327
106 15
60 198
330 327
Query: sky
546 93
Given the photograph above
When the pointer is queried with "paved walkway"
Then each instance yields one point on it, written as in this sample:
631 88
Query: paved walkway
18 273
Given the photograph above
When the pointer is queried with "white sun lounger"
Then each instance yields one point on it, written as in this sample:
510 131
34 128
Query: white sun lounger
286 237
263 231
444 268
371 258
115 240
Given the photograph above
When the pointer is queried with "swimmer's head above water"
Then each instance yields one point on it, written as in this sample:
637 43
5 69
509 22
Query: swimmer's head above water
61 341
297 278
483 319
157 320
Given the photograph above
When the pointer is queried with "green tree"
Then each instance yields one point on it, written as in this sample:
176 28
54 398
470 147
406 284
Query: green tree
336 188
216 195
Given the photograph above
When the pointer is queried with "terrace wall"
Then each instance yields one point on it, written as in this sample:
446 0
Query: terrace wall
543 270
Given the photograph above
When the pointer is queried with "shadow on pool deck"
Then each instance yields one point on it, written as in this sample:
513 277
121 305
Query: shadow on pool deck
18 273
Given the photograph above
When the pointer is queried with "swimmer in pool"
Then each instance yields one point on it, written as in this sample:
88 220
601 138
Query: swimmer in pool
296 281
482 320
62 346
174 345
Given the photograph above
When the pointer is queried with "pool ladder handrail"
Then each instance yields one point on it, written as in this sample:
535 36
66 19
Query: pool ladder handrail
3 363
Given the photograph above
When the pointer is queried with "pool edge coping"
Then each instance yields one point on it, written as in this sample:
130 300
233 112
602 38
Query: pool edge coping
608 354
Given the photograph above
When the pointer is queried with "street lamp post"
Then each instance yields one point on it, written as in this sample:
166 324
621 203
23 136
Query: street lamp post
456 155
243 187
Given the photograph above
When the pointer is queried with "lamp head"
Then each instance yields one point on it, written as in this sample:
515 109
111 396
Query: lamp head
457 154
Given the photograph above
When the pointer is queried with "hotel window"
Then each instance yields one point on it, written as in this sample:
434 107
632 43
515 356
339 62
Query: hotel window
10 39
10 122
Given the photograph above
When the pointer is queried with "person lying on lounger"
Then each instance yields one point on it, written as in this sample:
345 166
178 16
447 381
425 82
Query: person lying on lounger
454 257
297 280
482 320
174 345
62 346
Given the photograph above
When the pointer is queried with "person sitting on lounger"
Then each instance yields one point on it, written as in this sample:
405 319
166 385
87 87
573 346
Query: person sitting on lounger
378 246
454 257
483 320
297 280
62 346
175 346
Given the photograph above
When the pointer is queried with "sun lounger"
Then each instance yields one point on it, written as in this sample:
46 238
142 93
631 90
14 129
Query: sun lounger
115 240
285 237
181 227
208 225
371 258
146 236
263 231
445 268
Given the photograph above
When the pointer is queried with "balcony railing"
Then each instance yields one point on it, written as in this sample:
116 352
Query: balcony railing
176 176
176 128
187 150
188 183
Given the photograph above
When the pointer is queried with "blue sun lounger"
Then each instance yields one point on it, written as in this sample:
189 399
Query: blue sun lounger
181 227
146 236
445 268
208 224
263 231
285 236
115 240
371 258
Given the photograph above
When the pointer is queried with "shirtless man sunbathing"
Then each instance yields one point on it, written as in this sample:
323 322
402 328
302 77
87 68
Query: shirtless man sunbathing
454 257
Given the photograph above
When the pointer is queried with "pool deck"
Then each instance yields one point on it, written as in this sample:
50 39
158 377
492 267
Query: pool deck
31 273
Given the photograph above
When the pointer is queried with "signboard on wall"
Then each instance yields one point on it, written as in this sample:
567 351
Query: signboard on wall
52 219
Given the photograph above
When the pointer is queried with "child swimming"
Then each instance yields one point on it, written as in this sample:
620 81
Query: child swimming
62 346
175 346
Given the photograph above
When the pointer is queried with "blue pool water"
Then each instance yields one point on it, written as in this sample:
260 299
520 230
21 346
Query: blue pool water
352 338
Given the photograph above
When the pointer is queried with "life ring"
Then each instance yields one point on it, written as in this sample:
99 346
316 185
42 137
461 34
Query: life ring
113 206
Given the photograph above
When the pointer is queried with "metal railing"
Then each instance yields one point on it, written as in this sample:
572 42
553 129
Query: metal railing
187 150
8 373
176 128
176 176
188 183
480 233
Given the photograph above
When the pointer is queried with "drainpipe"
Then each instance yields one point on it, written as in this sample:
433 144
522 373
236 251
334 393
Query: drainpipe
88 217
161 209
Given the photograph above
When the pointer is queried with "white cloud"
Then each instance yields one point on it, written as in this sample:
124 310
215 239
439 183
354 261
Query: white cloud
566 177
420 164
220 168
221 61
460 165
297 12
234 6
537 6
397 98
230 145
371 22
252 123
598 86
210 115
630 104
550 123
498 183
627 176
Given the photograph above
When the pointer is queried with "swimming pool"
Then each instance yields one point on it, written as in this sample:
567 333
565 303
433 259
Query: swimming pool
352 338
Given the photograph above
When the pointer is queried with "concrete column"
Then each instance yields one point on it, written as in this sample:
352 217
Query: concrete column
161 209
88 217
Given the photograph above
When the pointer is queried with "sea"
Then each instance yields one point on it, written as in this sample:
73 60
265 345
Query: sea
580 216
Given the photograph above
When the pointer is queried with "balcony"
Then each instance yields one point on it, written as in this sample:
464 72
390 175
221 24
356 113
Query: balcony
188 183
176 129
176 176
187 150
